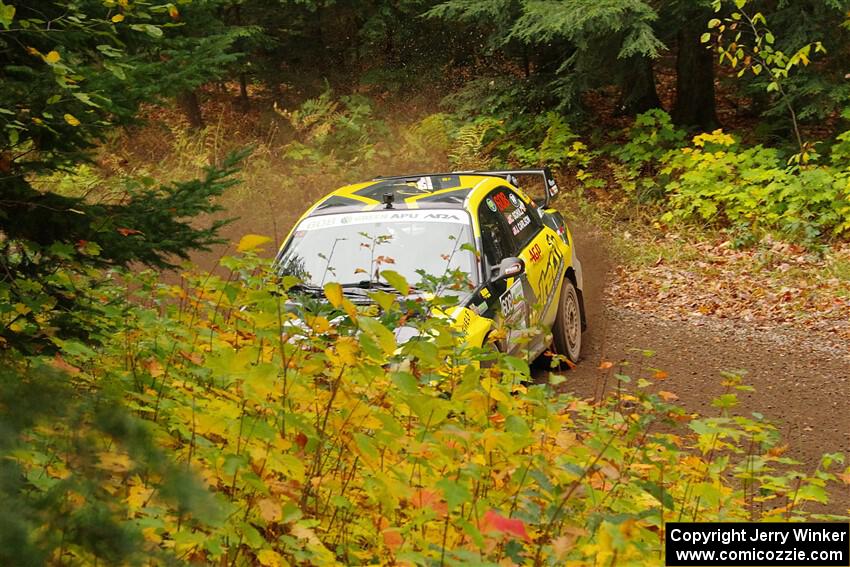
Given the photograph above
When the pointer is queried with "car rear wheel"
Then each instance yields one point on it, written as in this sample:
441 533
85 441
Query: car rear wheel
566 332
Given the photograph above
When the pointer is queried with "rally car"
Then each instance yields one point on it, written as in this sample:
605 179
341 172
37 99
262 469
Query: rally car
517 256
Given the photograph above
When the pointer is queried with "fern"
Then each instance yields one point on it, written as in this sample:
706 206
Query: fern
429 135
468 151
314 120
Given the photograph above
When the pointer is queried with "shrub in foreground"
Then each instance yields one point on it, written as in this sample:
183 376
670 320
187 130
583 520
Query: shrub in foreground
314 438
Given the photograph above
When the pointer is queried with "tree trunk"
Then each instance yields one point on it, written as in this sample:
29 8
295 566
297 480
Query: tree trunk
188 101
638 88
526 62
243 76
243 92
695 105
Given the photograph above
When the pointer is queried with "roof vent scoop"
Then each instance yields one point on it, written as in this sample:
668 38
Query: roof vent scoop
388 200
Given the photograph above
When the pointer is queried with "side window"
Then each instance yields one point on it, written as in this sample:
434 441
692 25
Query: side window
521 219
495 237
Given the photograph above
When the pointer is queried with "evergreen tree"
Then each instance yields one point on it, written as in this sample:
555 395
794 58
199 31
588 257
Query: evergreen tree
70 74
601 43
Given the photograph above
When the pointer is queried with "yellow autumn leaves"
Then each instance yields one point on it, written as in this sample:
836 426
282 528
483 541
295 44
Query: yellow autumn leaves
306 435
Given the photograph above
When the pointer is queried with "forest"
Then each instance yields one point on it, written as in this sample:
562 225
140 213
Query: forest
159 405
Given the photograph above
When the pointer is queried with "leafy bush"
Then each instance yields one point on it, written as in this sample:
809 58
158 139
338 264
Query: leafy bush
429 136
649 139
521 141
318 439
718 181
546 140
501 96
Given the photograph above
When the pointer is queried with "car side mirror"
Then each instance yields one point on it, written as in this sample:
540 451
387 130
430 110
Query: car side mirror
510 268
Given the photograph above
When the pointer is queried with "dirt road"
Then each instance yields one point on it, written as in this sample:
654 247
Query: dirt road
801 386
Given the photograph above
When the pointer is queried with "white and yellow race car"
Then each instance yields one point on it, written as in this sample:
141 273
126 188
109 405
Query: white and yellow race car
518 259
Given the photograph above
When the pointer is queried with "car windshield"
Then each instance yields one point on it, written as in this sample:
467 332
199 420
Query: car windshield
354 248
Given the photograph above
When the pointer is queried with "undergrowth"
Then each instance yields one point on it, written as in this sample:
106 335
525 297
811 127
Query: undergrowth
260 432
708 183
309 435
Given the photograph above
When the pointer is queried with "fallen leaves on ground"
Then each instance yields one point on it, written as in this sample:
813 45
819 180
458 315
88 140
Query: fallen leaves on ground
772 284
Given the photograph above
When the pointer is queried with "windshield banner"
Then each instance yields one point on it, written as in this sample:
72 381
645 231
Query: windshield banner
386 216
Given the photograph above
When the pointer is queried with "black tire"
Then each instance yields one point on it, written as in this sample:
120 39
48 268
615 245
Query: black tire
494 347
566 332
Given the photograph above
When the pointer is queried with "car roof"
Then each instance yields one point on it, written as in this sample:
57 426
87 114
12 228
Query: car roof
426 191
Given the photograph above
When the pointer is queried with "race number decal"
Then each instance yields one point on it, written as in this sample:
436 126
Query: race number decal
501 201
514 312
512 300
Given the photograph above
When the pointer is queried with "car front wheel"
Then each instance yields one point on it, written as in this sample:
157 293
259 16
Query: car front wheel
566 331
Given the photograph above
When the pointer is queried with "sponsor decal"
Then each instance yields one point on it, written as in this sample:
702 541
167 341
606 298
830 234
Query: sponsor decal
550 274
534 253
523 222
491 204
513 199
467 319
516 214
443 216
514 311
327 221
501 201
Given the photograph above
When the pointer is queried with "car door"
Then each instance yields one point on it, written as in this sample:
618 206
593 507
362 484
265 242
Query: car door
532 298
544 258
507 226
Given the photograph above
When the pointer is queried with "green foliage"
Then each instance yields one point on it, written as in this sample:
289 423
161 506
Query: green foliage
70 74
756 53
334 133
508 136
576 45
46 253
797 31
344 134
717 181
551 142
468 149
315 438
649 140
840 150
62 510
627 24
503 96
429 136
